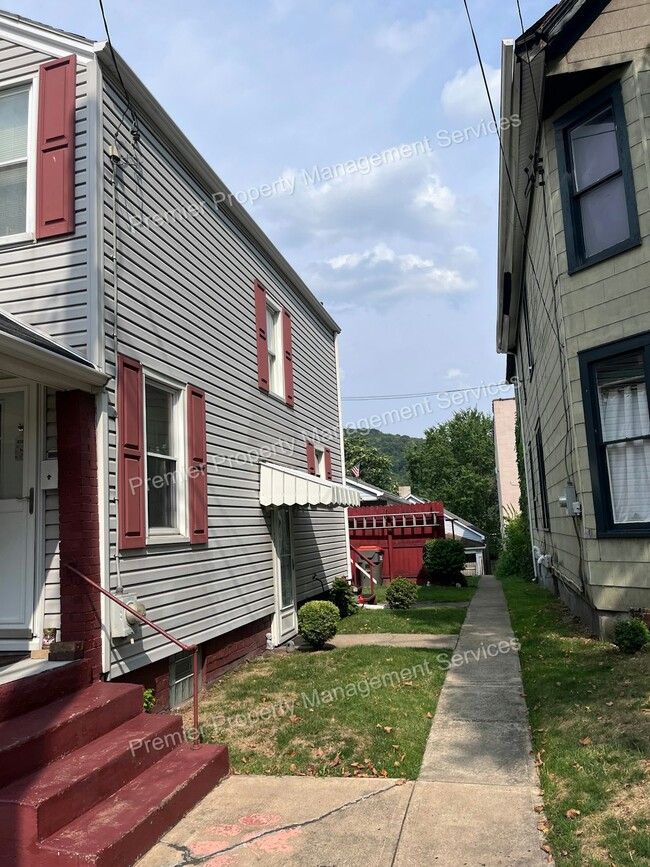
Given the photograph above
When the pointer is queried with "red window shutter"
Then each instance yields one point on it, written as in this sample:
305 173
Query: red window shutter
131 481
197 484
262 337
56 147
311 459
288 357
328 465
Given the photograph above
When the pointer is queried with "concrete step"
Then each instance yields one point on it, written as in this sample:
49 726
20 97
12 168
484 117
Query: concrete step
123 827
23 696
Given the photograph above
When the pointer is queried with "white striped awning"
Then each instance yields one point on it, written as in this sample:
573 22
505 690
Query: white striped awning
284 486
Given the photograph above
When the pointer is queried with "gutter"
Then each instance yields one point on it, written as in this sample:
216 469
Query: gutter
56 367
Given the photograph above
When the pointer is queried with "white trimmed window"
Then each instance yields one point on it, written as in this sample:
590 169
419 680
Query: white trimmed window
320 462
274 343
164 445
15 165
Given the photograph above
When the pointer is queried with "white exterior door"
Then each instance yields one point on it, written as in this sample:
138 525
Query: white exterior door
17 491
285 622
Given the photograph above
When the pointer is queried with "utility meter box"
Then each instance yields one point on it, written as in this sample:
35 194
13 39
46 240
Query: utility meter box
123 621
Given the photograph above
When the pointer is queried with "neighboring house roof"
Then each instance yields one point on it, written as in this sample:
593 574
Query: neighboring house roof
472 530
370 492
58 43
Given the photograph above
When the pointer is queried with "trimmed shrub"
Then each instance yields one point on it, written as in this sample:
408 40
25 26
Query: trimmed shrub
318 622
444 561
342 595
401 594
516 560
631 634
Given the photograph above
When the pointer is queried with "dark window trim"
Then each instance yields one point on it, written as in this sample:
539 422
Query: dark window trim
527 334
543 489
533 489
588 358
572 223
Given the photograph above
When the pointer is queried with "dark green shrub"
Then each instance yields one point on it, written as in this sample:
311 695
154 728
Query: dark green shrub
318 622
631 634
444 561
149 700
342 595
516 559
402 593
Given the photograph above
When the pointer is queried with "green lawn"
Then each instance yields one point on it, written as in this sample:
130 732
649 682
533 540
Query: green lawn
437 621
361 711
590 715
439 594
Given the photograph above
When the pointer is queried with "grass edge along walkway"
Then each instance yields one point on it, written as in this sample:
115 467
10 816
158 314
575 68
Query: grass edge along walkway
590 718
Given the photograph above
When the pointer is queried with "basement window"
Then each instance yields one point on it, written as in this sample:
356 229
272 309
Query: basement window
181 678
596 182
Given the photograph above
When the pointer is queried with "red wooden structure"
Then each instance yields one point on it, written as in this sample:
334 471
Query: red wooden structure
401 532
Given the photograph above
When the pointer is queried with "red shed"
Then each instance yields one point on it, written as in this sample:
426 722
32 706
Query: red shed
401 532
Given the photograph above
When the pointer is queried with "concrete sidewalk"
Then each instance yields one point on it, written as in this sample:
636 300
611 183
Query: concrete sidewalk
472 806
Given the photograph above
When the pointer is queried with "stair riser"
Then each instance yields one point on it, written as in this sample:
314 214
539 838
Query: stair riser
22 759
27 823
23 696
136 841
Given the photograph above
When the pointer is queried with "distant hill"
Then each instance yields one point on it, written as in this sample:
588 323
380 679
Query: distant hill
395 447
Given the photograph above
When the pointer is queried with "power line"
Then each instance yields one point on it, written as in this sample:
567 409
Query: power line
478 390
135 131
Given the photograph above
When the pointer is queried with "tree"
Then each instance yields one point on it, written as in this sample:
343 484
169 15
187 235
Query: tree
376 469
455 463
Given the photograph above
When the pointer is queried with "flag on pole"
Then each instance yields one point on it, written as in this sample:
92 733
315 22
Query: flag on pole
356 471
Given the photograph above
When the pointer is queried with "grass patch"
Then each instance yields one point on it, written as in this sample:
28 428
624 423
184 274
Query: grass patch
438 594
435 621
368 730
590 715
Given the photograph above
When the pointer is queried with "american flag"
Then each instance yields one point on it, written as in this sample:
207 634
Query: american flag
356 471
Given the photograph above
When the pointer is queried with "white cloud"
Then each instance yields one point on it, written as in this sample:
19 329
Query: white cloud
381 275
454 373
465 254
402 37
464 95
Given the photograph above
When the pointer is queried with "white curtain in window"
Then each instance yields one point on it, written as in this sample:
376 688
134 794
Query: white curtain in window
624 414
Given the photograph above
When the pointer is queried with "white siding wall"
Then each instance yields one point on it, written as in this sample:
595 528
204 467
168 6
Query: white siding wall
45 284
52 611
186 310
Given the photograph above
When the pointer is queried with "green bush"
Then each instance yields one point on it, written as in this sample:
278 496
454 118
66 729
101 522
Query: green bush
516 560
317 622
149 700
342 595
444 561
631 634
402 593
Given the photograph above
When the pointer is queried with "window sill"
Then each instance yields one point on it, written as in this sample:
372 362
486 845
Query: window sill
15 240
278 397
639 532
623 247
171 539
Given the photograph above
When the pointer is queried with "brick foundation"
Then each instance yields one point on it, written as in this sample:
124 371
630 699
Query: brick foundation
218 656
79 522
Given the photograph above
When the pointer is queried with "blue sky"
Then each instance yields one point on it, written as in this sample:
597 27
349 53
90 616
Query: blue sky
403 253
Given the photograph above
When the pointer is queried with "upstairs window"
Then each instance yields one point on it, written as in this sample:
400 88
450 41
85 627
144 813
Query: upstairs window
615 384
598 198
274 350
162 459
14 163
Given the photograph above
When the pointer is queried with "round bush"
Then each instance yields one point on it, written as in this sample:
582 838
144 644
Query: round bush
444 561
631 635
402 593
342 595
317 622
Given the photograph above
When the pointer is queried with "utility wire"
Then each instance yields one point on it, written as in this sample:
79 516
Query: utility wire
473 388
135 131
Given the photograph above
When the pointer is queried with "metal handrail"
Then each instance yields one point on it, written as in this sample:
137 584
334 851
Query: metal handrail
188 648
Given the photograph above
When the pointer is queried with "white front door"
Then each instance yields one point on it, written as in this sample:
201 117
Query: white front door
17 488
285 622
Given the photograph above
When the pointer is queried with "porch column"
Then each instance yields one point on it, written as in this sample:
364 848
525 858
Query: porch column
79 522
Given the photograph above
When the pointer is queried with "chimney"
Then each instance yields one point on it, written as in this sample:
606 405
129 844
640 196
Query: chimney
404 491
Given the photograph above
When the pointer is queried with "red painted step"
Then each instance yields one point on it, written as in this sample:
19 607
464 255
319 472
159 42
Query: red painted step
118 831
36 806
16 699
37 738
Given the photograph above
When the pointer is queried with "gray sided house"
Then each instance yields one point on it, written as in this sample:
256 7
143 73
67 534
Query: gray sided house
574 297
169 392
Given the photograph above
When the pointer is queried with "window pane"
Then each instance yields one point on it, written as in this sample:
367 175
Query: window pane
271 319
161 493
629 481
13 200
622 397
595 148
286 557
159 420
604 216
13 125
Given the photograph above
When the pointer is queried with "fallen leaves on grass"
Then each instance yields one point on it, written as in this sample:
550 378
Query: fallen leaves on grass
572 814
585 742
